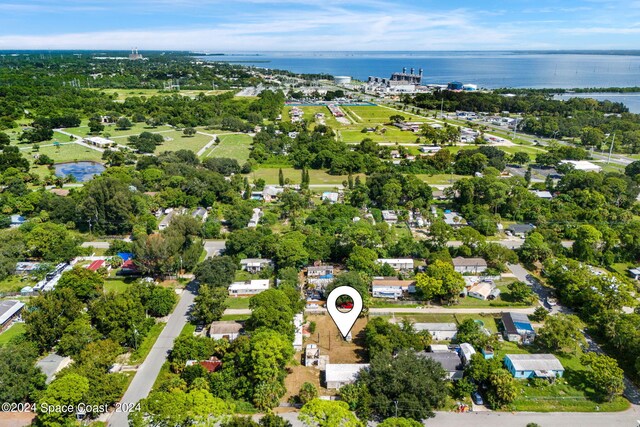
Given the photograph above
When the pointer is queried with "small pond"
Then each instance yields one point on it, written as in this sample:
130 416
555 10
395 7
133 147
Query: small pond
81 171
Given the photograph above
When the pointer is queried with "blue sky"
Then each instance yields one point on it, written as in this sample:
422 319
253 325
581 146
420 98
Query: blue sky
254 25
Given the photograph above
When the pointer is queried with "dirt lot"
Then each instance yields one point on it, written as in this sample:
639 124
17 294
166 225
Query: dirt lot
330 343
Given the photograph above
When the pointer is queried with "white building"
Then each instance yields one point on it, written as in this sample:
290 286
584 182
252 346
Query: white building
389 217
483 291
438 331
298 321
255 265
100 142
9 310
397 263
582 165
389 287
252 287
228 330
166 221
466 351
454 219
255 218
338 375
330 196
469 265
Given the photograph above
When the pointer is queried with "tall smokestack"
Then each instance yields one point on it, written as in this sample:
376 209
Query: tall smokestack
420 72
412 71
404 70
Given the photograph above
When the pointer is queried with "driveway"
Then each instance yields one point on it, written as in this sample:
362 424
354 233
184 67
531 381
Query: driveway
142 382
214 247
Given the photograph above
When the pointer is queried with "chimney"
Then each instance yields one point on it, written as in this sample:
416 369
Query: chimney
412 70
404 70
420 71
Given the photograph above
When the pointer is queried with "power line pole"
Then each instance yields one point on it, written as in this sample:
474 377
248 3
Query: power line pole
396 403
611 148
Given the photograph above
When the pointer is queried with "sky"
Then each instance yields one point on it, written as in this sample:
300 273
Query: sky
322 25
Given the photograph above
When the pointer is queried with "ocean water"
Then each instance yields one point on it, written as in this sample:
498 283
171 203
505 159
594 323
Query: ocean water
486 69
631 100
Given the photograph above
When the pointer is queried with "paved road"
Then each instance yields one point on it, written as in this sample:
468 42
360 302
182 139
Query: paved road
214 247
145 377
507 243
97 245
410 310
520 419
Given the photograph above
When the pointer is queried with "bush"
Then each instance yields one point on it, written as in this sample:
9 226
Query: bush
312 327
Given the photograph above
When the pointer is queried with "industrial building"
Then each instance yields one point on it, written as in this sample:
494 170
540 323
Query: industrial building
398 82
342 80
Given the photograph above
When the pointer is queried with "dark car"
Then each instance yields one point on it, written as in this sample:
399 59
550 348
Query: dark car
199 328
477 399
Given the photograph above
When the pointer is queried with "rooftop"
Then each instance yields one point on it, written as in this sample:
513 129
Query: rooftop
535 362
343 371
449 360
435 327
225 327
468 262
8 309
515 322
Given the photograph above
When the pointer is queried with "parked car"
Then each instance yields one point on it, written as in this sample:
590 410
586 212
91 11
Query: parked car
477 398
551 302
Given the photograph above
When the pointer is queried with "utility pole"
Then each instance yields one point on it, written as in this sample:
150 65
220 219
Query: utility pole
396 403
441 108
611 148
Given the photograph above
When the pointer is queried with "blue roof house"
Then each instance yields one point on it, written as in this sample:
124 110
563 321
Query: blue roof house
533 366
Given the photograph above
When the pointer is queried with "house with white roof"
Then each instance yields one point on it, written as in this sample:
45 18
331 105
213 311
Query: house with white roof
397 263
341 374
255 265
249 288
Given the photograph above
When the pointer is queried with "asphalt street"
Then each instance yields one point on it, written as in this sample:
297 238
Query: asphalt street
147 372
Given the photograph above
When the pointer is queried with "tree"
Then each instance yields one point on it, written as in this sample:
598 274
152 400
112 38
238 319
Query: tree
605 375
592 137
52 242
271 309
540 314
561 333
327 413
209 304
471 332
417 385
48 315
429 287
273 420
588 239
521 292
632 169
400 422
216 271
452 281
21 379
266 394
307 393
123 123
362 259
95 125
534 248
146 142
520 158
68 390
503 388
120 318
280 177
85 284
77 336
188 131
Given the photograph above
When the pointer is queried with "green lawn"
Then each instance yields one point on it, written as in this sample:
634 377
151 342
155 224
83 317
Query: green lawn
235 317
144 348
233 146
316 177
14 284
117 285
240 302
14 330
67 152
440 179
123 94
180 142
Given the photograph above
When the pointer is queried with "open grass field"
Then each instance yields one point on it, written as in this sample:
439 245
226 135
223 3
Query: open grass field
116 285
180 142
68 152
392 134
14 330
117 135
239 302
233 146
123 94
440 179
377 114
317 177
